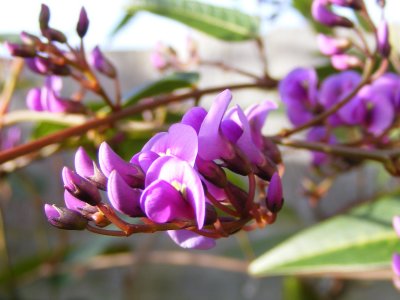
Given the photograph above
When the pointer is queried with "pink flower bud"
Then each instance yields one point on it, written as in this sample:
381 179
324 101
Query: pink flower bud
383 38
330 45
275 194
345 61
83 23
64 218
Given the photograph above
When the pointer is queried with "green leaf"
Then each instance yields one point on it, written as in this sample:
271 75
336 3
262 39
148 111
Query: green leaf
349 245
220 22
304 7
165 85
44 128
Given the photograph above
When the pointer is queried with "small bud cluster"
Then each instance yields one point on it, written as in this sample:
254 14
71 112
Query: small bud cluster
343 51
178 182
166 57
51 55
371 113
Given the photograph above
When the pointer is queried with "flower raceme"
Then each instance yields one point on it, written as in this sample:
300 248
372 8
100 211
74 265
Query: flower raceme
177 183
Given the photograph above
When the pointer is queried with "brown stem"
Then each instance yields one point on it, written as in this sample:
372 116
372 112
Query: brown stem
219 205
61 135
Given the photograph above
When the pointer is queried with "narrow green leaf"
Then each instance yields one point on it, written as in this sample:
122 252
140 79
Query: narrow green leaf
359 241
220 22
304 7
164 85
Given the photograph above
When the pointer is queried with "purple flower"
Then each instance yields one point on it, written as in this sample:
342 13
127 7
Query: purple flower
101 63
212 144
323 15
173 191
345 61
109 161
332 45
298 90
48 98
396 225
334 89
10 137
123 198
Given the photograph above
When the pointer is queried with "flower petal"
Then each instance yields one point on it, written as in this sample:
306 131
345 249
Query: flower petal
191 240
123 198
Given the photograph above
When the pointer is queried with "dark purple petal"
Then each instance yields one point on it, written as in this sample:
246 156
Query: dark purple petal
38 65
380 114
123 198
211 144
162 203
298 114
110 161
194 117
356 4
181 141
190 240
396 264
275 194
178 172
44 17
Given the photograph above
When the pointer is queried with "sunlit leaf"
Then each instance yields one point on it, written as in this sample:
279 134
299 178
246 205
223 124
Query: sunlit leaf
219 22
358 242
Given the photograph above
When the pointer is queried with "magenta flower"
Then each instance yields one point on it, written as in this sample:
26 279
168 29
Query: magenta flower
191 240
344 62
332 45
48 98
396 264
322 14
212 143
173 191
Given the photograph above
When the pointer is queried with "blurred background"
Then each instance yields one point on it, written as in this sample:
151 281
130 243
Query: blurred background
38 261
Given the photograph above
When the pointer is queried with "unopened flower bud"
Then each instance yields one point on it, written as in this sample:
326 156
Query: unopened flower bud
83 23
26 51
64 218
330 45
271 150
383 38
44 18
79 206
237 196
345 61
60 70
275 196
55 35
267 169
80 187
101 63
88 169
38 65
323 15
212 172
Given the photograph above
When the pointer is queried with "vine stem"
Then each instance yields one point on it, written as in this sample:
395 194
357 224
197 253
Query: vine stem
61 135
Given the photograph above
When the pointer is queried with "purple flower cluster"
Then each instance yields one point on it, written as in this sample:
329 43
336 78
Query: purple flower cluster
396 256
52 56
372 112
177 182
